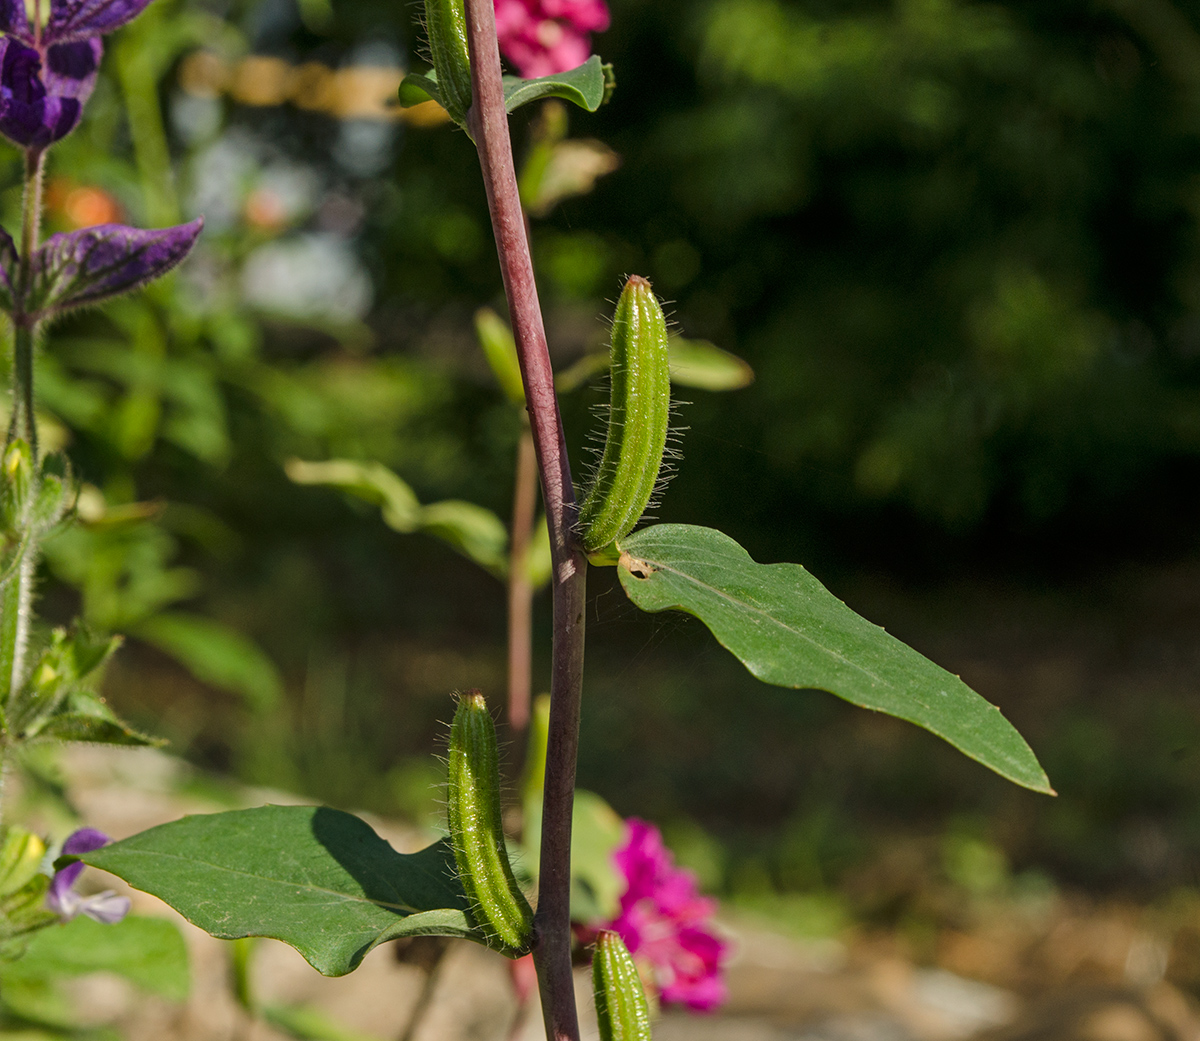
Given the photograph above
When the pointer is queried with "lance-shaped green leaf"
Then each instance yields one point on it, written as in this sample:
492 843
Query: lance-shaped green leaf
789 630
474 531
703 365
500 349
82 715
318 879
81 268
216 654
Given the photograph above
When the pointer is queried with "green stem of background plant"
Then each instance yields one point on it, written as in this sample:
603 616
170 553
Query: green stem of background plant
520 588
488 122
24 423
16 600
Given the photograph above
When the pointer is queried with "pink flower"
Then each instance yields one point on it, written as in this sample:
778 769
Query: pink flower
665 921
542 37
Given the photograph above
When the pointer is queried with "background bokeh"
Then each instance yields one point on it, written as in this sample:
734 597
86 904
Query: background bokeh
958 243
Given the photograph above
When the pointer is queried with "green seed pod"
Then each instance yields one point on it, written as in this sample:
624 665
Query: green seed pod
637 423
621 1004
446 25
497 904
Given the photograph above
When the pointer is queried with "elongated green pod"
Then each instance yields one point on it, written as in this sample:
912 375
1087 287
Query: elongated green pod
446 25
498 906
637 422
621 1006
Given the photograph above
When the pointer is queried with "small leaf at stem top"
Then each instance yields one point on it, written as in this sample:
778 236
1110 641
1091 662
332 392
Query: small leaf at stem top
589 86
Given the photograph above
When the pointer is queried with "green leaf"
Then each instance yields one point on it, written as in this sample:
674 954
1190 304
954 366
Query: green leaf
417 88
149 952
539 565
587 86
789 630
596 831
216 654
309 1024
477 533
372 482
83 716
315 878
700 364
500 349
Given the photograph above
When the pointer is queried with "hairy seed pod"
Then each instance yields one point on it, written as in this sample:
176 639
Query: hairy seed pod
621 1004
446 25
637 422
498 906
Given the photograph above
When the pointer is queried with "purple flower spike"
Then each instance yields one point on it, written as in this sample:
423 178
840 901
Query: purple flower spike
15 21
665 921
80 268
42 98
106 907
74 20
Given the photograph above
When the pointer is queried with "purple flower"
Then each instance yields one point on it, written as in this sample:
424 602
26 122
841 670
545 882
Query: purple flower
82 268
106 907
47 72
42 93
665 921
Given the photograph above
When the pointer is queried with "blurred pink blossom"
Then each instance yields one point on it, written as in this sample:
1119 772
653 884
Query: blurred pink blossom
542 37
665 921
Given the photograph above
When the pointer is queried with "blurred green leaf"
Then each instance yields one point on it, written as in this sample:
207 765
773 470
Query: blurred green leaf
315 878
475 532
310 1024
596 831
149 952
703 365
539 565
787 629
499 348
216 654
373 482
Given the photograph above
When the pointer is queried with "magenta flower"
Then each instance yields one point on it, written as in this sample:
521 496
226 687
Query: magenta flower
106 907
48 71
542 37
666 922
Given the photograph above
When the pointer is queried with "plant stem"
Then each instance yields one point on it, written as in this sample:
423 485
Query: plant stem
520 589
489 126
24 423
16 604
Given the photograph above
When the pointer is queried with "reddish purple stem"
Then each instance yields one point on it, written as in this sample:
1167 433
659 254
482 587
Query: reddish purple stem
488 122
